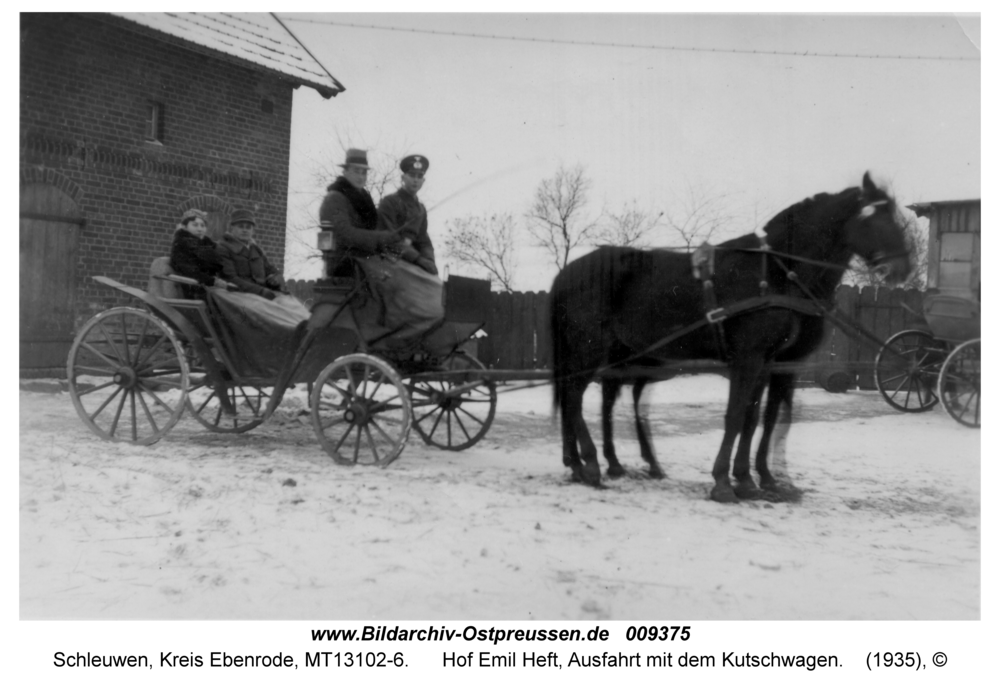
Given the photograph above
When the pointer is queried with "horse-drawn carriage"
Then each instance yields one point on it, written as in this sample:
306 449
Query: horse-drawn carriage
757 307
134 371
938 361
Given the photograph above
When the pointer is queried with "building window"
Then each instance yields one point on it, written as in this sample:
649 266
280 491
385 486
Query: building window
956 260
154 121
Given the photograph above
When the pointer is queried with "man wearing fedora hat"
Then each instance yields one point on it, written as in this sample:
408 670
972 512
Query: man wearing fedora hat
243 262
349 212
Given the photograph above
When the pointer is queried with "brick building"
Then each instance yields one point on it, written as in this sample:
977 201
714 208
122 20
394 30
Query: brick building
129 119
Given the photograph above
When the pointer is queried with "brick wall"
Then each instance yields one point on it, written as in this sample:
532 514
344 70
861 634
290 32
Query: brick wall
85 84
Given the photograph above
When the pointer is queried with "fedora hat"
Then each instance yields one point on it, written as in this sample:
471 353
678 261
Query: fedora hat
356 158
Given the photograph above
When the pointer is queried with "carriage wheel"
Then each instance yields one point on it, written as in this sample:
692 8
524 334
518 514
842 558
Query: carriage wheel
454 422
250 402
361 410
128 377
906 370
958 384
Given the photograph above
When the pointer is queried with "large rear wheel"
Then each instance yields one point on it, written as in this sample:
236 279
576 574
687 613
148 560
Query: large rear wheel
456 413
128 376
958 384
361 411
906 370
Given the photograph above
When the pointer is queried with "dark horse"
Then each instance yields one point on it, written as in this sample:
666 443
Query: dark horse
623 306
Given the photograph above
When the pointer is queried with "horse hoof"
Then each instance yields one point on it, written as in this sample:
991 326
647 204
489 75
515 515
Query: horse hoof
657 473
616 471
746 490
724 494
591 473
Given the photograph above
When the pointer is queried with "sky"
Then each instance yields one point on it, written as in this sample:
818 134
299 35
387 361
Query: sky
754 112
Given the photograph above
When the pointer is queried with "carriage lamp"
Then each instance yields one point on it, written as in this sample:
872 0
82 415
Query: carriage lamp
325 241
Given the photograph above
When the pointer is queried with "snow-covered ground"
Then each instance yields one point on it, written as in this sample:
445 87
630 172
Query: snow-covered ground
265 525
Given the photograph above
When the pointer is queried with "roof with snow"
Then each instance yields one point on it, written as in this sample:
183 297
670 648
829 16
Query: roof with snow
257 40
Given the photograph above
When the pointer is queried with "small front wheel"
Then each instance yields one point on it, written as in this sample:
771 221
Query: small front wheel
456 413
128 376
906 370
958 384
361 411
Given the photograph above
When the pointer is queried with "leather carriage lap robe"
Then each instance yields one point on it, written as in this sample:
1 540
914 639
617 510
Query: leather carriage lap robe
257 332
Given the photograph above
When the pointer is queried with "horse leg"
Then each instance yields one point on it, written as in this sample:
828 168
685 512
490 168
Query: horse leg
609 393
779 401
575 431
642 430
745 487
743 381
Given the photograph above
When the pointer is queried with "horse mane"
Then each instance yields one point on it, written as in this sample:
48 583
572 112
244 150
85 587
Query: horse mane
804 220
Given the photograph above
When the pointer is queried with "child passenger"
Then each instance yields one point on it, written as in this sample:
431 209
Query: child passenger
193 254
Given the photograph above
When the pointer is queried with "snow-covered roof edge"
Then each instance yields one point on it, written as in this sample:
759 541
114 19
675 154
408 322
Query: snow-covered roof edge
257 40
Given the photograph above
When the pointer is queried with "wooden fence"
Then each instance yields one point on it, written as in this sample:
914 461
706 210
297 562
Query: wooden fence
517 334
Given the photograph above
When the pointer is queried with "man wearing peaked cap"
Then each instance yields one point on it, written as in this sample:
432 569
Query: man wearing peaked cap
243 262
414 164
403 213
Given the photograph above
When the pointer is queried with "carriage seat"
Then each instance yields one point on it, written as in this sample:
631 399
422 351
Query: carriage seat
952 316
163 283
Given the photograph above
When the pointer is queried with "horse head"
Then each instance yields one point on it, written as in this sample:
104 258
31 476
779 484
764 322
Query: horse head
877 233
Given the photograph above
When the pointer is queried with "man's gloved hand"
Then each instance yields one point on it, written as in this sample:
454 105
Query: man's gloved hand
269 294
410 254
427 265
275 281
391 244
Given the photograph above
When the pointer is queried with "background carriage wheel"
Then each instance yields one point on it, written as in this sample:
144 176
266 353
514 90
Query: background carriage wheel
454 422
128 376
361 410
906 370
958 383
250 402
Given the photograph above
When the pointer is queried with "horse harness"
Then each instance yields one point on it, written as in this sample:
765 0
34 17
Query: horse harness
703 268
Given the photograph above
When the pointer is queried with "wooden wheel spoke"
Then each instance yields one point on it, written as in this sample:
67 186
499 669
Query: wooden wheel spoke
118 414
156 397
111 362
142 336
371 443
470 415
147 362
135 418
336 420
357 445
149 414
382 431
105 404
87 391
436 422
343 438
122 359
432 412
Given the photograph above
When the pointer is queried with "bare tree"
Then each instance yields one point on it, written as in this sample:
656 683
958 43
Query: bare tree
697 215
556 218
485 243
628 228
